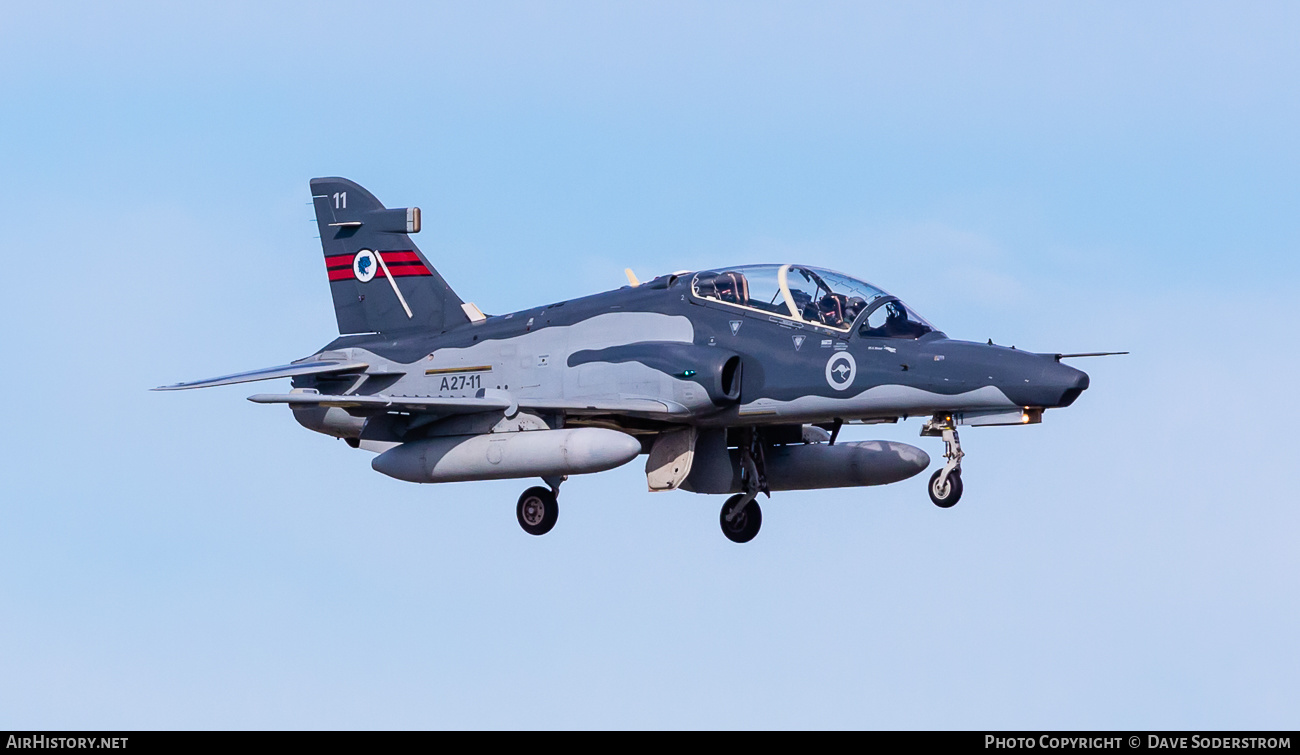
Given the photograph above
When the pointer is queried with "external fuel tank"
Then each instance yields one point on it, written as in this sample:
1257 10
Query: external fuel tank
498 456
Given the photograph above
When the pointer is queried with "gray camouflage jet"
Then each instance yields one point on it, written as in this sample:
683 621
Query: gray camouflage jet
732 381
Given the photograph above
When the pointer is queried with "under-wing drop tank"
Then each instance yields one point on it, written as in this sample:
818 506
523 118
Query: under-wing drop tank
499 456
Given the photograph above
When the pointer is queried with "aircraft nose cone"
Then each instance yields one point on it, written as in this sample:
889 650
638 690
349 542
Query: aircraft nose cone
1073 383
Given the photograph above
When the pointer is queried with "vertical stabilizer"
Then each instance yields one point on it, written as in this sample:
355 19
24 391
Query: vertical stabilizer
379 279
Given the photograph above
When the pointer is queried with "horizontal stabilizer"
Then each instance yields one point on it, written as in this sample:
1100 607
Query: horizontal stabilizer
270 373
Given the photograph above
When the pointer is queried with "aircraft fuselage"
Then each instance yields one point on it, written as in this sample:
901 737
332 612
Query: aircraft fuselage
586 349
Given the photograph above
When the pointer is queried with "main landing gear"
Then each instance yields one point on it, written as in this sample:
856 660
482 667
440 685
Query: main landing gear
945 484
741 517
745 518
538 507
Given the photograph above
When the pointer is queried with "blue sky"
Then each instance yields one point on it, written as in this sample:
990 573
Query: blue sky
1059 177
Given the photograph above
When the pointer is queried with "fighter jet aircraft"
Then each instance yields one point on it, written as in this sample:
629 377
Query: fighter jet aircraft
732 380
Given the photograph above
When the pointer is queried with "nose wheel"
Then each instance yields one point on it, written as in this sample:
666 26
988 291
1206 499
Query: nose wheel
537 511
945 493
945 484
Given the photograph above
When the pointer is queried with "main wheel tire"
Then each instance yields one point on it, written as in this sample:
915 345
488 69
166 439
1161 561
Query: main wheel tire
950 494
537 511
743 528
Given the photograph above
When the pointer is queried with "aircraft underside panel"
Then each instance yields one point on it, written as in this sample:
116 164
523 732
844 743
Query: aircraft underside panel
813 466
880 400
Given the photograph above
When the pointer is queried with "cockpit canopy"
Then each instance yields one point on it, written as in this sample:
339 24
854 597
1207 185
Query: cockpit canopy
823 298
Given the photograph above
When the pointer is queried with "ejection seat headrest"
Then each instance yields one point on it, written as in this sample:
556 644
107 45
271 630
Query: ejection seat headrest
831 308
732 287
706 286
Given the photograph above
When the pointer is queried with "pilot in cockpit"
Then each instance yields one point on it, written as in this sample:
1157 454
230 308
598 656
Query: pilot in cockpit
853 309
897 323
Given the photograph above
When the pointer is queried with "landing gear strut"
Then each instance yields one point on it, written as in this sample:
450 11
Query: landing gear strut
945 484
741 517
538 507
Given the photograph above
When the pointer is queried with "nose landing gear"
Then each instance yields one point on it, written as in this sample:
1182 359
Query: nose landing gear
945 485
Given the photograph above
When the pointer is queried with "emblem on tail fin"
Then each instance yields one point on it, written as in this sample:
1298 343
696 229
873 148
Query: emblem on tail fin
363 265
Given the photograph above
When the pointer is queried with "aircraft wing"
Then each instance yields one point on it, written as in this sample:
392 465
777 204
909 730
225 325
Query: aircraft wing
270 373
466 405
650 408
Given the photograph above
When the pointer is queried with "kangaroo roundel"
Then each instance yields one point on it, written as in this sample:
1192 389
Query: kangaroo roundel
840 370
364 265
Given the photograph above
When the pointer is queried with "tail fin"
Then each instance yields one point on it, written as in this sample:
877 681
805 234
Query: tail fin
378 277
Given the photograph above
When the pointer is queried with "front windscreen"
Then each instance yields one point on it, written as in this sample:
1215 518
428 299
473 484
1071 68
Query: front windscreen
827 298
893 319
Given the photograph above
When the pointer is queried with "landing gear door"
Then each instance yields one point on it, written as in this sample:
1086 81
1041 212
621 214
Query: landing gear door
670 459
